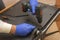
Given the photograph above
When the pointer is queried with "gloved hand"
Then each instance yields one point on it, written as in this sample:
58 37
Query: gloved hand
24 29
33 4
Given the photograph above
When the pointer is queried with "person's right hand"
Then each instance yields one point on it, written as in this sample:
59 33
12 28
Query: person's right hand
24 29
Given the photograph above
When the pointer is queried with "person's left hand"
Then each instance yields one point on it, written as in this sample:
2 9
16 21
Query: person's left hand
33 4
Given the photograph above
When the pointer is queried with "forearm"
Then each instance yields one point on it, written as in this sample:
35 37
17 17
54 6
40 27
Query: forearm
7 28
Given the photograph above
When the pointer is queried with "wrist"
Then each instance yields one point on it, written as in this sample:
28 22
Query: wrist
5 27
13 29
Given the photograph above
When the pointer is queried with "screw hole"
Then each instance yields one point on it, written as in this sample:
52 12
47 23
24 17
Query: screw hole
50 14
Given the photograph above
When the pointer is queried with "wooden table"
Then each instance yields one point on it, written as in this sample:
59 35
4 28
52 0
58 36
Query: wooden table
58 18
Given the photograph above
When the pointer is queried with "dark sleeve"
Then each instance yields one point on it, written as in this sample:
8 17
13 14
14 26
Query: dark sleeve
1 5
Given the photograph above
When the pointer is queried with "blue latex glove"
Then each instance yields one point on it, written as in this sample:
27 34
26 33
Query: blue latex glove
24 29
33 4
